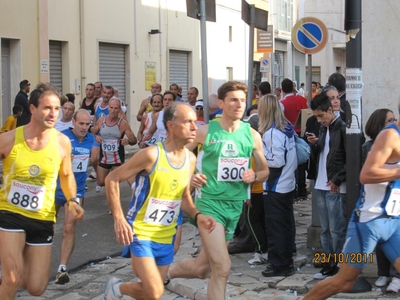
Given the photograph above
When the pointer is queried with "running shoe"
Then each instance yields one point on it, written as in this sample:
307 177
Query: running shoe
394 286
109 293
382 281
258 259
93 174
62 277
99 188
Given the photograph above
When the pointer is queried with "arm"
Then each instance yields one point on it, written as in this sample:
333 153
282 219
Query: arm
384 147
96 127
140 131
153 126
190 209
259 159
275 151
144 161
67 178
131 138
142 109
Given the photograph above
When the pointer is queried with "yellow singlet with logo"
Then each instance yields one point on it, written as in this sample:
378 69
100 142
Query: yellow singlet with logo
29 179
157 200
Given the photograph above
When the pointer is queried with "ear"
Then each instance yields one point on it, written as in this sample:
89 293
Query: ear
220 103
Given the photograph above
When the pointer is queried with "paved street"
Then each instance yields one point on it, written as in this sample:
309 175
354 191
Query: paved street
245 282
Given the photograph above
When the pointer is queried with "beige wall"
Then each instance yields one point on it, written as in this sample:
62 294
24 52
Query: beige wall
81 24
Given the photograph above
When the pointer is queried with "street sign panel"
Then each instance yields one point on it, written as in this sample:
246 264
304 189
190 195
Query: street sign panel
193 10
309 35
260 16
265 64
265 40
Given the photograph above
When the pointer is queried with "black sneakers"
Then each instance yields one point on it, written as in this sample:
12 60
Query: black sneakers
272 272
327 270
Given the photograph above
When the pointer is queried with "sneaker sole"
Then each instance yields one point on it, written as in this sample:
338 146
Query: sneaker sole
62 280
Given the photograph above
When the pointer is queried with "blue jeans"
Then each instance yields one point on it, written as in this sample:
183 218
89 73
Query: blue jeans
331 210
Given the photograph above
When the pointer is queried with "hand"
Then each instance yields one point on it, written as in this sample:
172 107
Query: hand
123 232
206 222
198 180
334 187
312 139
76 210
124 141
146 137
248 202
98 139
249 176
142 144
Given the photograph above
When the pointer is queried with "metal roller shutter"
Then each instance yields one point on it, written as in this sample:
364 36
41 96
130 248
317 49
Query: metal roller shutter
112 66
179 70
7 100
56 64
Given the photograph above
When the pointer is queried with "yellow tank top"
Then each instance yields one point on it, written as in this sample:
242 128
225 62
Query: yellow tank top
29 179
149 108
156 218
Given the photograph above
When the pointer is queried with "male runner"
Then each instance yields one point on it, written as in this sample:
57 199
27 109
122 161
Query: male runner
223 183
162 187
33 156
82 143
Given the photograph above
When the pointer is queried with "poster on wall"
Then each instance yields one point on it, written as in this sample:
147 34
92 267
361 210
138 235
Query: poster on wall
150 74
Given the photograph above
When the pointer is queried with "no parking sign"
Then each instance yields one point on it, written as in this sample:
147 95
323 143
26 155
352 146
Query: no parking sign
309 35
265 64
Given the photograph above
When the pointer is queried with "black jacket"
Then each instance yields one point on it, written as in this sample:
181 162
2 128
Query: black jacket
22 99
336 159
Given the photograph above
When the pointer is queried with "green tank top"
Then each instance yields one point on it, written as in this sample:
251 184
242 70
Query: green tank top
223 158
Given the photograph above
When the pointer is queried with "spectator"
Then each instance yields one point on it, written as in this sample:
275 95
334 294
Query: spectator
22 100
11 122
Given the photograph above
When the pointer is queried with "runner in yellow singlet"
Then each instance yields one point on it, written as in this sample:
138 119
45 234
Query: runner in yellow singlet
27 208
162 174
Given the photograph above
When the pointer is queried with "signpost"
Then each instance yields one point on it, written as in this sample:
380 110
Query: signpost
255 18
203 10
309 36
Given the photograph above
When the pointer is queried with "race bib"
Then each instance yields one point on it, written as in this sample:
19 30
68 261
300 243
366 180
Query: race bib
162 212
80 163
231 169
392 207
26 196
109 145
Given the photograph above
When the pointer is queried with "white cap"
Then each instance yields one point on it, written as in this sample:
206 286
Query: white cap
199 103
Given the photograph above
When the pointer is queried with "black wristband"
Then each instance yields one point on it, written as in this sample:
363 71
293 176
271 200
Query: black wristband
195 217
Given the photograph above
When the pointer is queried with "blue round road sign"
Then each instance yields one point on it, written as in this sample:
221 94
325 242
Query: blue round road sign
309 35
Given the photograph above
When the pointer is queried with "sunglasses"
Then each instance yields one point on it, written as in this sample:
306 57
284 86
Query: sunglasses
199 108
391 120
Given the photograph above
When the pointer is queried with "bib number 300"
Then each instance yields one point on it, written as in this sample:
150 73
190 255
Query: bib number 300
231 169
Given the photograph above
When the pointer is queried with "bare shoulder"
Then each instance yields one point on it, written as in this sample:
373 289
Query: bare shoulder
6 143
63 140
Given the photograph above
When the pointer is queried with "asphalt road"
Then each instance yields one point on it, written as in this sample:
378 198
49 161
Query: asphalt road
95 238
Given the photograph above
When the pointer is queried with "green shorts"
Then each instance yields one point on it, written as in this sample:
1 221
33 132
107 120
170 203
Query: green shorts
226 212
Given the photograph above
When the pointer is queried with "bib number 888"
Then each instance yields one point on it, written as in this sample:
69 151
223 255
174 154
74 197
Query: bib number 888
25 201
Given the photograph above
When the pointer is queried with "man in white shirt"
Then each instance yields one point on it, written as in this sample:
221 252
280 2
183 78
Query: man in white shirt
65 122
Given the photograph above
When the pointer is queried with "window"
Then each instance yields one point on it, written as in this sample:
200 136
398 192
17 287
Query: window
229 73
285 15
230 33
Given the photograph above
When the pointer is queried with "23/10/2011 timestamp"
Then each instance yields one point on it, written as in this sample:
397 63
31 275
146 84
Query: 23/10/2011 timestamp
340 258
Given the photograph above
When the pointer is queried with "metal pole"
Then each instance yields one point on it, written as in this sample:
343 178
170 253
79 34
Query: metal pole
353 116
309 79
251 54
204 70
